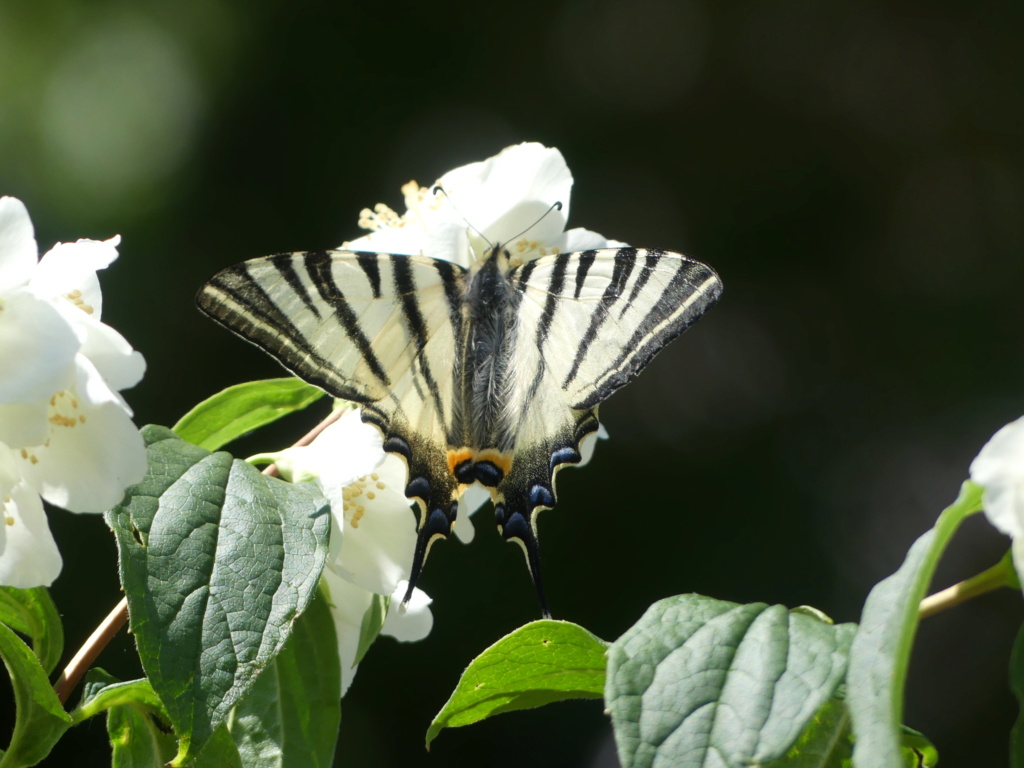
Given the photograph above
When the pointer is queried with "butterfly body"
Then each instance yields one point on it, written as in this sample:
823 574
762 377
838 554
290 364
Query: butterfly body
491 374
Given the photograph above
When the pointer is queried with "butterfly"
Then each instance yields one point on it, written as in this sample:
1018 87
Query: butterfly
491 374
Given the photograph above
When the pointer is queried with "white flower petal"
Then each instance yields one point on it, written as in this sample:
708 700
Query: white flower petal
28 554
345 451
409 240
88 463
37 347
589 443
580 239
999 470
24 424
18 251
68 270
348 605
379 535
474 497
92 389
412 624
510 192
120 366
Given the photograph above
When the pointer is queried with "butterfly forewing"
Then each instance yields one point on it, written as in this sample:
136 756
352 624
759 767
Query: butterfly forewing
598 317
372 328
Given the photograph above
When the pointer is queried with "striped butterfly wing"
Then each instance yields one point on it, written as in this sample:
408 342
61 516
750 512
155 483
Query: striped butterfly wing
587 324
376 329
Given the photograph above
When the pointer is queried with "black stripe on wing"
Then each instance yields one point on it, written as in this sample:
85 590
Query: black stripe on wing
554 288
318 266
625 261
693 290
405 287
234 299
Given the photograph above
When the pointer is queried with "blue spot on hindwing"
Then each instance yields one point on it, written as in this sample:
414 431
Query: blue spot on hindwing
516 527
541 496
564 455
419 486
396 444
438 522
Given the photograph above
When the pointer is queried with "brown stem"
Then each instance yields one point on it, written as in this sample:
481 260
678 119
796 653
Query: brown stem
87 654
117 618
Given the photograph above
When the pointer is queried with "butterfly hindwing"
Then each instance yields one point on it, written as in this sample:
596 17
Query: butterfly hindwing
375 329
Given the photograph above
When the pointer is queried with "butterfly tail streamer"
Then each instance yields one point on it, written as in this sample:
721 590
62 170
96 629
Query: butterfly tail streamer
435 525
517 526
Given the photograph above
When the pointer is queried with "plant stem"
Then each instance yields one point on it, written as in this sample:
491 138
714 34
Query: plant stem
999 575
117 618
87 654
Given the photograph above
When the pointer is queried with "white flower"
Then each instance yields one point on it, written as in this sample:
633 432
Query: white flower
65 432
349 605
507 198
373 530
999 470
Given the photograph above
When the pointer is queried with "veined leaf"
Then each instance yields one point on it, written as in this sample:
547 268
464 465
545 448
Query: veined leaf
32 613
290 717
540 663
217 561
239 409
702 682
40 719
825 743
881 650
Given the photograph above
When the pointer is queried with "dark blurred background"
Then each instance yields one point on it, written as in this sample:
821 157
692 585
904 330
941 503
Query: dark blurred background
853 170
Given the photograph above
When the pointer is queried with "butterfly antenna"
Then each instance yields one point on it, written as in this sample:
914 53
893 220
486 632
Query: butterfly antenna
438 188
557 205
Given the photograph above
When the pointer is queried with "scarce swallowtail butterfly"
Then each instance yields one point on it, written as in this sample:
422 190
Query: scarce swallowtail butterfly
491 374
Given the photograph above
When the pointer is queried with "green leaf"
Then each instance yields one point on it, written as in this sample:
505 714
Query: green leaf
217 561
825 743
32 613
137 723
220 752
881 649
917 750
539 663
136 739
102 691
291 715
1017 686
40 719
229 414
373 622
703 682
139 728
